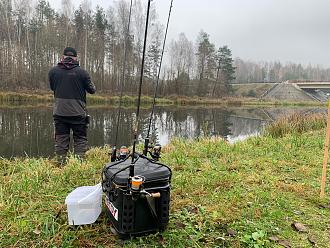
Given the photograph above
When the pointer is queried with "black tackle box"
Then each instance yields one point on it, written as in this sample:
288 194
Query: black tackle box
136 214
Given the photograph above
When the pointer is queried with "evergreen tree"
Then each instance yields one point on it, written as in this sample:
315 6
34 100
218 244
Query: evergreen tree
205 62
99 28
152 59
225 71
205 56
79 24
154 52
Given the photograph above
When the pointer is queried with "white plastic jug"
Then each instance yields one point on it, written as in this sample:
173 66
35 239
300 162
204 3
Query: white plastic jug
84 204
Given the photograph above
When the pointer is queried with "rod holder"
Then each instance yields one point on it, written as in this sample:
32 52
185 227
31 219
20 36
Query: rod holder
146 146
113 154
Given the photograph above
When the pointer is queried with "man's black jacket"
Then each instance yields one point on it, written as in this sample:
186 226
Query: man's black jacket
70 83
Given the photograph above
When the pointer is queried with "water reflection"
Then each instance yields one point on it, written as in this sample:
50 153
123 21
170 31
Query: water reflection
29 131
25 132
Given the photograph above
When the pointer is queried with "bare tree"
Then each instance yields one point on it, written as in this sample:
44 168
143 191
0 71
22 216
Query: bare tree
67 8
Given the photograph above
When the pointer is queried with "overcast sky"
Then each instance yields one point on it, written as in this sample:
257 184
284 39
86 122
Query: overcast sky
259 30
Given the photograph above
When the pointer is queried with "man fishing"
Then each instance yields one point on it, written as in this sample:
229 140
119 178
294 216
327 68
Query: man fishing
70 83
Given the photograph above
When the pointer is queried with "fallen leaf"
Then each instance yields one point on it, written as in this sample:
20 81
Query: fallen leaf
160 238
296 212
203 240
221 238
59 211
324 206
299 227
36 231
58 214
180 225
284 243
193 210
113 230
274 238
312 240
231 232
281 242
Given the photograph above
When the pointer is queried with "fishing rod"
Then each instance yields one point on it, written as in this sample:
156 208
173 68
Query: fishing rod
156 152
136 126
145 194
114 149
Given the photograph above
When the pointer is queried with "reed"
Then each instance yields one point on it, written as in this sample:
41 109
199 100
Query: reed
296 124
13 97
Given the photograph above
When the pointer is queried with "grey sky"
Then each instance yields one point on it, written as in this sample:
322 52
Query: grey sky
258 30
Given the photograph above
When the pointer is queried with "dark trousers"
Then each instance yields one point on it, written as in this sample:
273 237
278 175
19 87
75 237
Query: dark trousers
62 137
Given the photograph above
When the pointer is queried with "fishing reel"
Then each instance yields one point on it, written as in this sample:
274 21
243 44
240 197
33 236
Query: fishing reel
137 189
154 151
136 186
122 155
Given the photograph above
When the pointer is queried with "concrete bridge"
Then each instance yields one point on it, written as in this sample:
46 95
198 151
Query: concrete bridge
313 84
301 83
296 90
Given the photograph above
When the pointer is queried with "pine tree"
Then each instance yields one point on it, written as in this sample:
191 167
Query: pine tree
225 71
152 60
205 56
79 28
205 62
99 28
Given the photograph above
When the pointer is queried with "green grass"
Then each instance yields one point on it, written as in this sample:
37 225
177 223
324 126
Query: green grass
257 188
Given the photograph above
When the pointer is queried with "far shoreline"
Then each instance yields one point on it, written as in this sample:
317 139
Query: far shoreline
10 98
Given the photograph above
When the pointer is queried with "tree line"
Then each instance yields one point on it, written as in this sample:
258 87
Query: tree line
248 71
33 35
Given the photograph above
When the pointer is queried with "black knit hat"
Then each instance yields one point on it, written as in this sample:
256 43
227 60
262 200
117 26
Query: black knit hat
69 51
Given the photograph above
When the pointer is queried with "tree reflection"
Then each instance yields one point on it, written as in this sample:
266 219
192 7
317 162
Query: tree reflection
28 131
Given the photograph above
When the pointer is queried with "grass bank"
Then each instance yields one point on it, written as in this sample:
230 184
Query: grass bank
296 124
223 195
14 98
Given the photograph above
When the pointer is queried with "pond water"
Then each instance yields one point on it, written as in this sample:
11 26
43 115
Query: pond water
29 131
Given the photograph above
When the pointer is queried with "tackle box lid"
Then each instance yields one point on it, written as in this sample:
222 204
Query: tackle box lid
143 167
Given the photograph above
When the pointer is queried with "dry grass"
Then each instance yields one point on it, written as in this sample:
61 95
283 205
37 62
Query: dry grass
296 124
16 99
245 89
